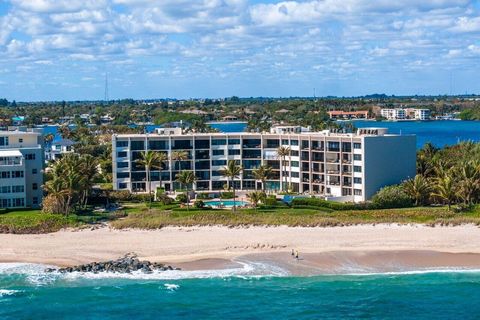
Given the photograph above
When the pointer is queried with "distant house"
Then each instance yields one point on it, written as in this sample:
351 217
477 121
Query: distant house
46 120
339 114
106 119
194 111
58 149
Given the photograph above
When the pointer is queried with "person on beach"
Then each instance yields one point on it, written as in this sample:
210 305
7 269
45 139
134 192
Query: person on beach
296 255
293 252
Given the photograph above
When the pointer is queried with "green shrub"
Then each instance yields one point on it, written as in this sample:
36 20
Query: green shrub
164 199
199 204
391 197
120 196
321 203
182 198
140 197
226 195
270 201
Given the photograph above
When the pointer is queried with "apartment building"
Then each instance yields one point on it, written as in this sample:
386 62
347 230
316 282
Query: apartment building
342 167
393 114
21 168
422 114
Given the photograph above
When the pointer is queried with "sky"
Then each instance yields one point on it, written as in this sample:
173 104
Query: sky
62 49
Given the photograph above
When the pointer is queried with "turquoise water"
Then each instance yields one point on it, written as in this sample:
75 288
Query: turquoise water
226 203
390 296
440 133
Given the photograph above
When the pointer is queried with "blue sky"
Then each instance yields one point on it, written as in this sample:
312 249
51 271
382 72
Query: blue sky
61 49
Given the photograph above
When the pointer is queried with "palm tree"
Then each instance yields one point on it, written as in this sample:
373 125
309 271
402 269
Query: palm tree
89 170
186 178
445 190
48 138
162 158
178 156
418 189
255 197
232 171
282 153
149 159
469 181
262 173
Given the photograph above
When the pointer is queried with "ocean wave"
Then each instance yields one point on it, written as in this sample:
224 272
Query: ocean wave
171 286
35 273
6 292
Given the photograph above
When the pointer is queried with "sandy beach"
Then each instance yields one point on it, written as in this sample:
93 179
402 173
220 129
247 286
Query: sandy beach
321 250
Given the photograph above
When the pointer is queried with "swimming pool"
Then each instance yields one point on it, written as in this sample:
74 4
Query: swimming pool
226 203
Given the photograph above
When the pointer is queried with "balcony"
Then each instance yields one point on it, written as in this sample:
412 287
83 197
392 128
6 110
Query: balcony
333 171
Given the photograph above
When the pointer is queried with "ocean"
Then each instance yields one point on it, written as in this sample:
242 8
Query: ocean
28 293
440 133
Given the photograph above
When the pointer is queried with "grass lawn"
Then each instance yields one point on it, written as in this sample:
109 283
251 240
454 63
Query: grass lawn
139 216
35 221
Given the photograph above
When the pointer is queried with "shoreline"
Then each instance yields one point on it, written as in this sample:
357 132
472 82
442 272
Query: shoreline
334 250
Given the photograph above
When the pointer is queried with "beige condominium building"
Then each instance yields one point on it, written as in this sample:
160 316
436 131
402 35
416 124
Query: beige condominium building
21 169
336 166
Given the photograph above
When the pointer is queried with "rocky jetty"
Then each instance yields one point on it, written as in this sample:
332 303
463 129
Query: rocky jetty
127 264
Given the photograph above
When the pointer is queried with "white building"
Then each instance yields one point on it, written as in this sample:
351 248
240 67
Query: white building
422 114
393 114
343 167
21 166
58 148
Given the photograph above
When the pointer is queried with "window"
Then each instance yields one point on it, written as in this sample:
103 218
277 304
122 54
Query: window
137 145
333 146
34 186
218 152
122 143
122 154
233 152
285 142
5 175
18 189
357 145
17 174
3 141
305 144
357 157
5 189
219 162
35 200
20 140
357 192
122 164
233 141
295 164
34 171
219 142
294 153
122 175
158 145
30 156
294 142
357 169
357 180
19 202
202 144
294 174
